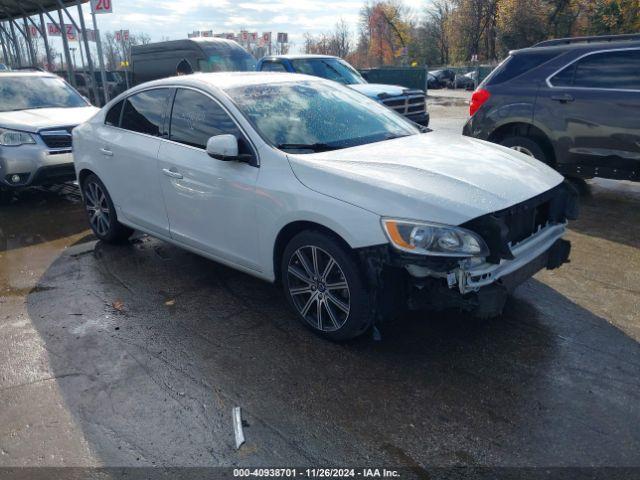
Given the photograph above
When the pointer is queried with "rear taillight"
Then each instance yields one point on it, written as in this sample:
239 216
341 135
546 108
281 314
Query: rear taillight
478 99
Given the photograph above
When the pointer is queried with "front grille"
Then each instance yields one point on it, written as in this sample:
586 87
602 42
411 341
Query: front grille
410 104
506 228
57 139
524 222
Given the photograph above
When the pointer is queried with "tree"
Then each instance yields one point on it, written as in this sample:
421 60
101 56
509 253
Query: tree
387 28
336 43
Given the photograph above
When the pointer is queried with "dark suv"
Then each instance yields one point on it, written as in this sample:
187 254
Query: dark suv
572 103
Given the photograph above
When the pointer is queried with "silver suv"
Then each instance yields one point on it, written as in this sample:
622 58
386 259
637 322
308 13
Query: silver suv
38 110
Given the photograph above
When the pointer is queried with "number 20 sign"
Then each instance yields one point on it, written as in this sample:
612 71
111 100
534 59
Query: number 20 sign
101 6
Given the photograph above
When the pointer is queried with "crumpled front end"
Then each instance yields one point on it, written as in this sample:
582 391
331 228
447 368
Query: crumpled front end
522 240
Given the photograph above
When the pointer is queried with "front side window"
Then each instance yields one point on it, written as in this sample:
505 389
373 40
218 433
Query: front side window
329 68
314 116
273 67
31 92
223 57
144 112
195 118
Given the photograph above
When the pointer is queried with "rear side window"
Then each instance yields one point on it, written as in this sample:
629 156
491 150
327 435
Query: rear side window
609 70
273 67
144 111
195 118
516 65
113 115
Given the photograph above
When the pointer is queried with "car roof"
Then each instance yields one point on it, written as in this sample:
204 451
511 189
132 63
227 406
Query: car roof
224 80
297 56
578 47
25 73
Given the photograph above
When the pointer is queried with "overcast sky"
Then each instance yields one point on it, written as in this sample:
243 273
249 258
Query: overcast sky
174 19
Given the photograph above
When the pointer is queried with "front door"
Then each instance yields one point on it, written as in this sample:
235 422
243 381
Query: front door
210 203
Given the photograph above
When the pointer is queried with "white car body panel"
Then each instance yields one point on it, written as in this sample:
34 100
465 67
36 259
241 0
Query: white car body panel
233 212
449 178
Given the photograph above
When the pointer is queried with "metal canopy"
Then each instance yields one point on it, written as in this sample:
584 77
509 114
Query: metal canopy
20 8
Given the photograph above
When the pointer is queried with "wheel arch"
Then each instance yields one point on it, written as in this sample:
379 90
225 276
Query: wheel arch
524 129
292 229
84 173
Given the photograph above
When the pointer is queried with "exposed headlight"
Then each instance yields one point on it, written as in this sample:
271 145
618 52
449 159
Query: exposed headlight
434 239
12 138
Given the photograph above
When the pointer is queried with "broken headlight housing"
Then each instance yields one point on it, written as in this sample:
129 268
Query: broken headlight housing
13 138
425 238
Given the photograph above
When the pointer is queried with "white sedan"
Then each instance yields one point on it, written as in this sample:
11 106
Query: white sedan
354 210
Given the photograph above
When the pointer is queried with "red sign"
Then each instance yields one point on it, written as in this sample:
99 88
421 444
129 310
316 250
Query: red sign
122 35
266 37
101 6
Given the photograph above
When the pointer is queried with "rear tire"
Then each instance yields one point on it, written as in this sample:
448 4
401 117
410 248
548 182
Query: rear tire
324 286
527 146
102 213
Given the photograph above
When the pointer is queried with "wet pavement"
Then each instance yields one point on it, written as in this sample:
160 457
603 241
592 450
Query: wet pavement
136 354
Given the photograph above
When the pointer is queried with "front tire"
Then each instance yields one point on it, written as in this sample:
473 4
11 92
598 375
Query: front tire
527 146
102 213
324 286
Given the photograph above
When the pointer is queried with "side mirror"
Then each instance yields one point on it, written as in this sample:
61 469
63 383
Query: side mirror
225 147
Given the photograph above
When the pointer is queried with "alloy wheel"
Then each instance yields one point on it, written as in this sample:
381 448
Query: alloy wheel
524 150
97 207
318 288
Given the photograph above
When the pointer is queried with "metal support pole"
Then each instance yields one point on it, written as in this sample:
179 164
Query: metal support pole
103 75
7 39
15 43
81 31
6 58
43 32
27 37
65 45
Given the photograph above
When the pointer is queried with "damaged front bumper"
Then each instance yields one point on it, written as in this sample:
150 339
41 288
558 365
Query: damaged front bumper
401 282
522 239
470 277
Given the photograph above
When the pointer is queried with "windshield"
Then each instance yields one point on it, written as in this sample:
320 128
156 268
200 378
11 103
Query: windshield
224 58
24 93
330 68
313 116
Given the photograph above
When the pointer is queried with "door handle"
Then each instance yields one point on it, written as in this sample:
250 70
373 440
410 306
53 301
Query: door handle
171 173
107 152
563 98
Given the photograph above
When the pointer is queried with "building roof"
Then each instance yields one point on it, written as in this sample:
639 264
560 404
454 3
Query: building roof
20 8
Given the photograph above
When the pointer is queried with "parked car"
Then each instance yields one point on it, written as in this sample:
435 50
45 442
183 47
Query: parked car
571 103
444 77
302 181
411 103
82 83
166 59
466 81
432 81
37 112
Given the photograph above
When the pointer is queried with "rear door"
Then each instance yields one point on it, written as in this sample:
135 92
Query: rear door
596 104
129 146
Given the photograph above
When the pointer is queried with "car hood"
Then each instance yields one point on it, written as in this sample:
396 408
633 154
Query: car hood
435 177
372 90
42 118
